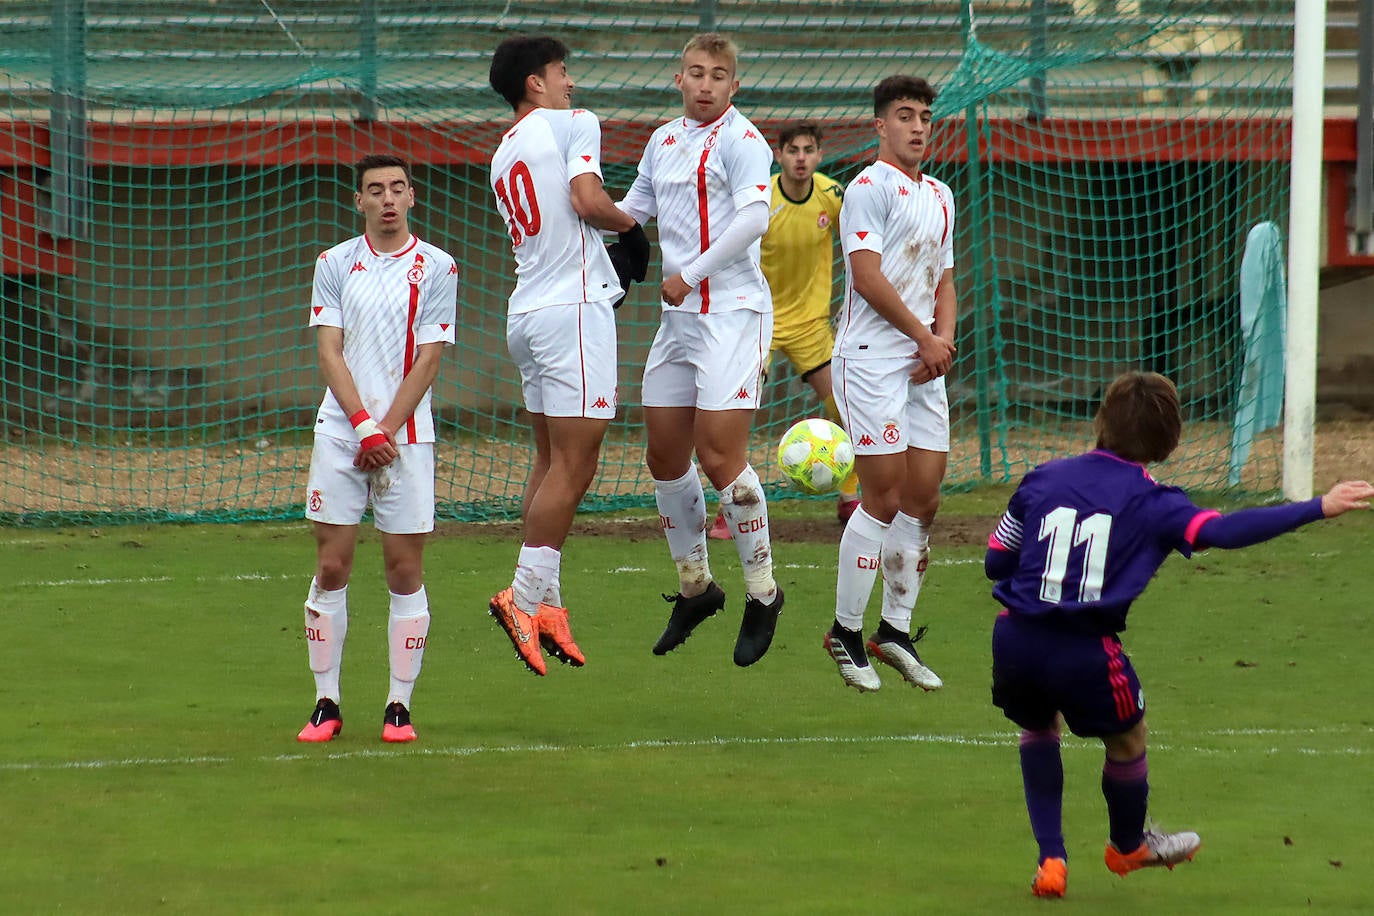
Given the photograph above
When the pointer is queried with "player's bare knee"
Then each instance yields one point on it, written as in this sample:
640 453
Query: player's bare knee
332 572
1127 745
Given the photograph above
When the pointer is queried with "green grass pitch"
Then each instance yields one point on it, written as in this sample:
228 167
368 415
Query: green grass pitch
154 679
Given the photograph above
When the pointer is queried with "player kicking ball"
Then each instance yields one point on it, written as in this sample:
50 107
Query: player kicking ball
1080 540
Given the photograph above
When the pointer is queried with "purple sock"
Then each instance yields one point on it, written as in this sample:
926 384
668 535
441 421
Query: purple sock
1126 787
1042 776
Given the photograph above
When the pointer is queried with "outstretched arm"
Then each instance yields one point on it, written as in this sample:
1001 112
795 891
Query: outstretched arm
1253 526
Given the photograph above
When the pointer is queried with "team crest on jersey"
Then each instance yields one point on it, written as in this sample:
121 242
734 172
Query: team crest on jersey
823 220
316 500
416 274
891 433
710 141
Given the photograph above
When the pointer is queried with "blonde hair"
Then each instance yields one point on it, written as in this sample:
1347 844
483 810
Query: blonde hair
714 44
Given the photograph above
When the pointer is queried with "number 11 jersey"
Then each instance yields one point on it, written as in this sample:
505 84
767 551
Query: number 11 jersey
1089 533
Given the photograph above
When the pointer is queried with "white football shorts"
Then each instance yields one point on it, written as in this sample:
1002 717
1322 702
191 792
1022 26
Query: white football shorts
402 494
566 355
711 361
884 411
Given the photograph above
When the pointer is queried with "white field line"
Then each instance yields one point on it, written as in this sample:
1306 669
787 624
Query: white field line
304 576
1001 742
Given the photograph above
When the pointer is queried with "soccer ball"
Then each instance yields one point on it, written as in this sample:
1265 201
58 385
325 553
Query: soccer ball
816 455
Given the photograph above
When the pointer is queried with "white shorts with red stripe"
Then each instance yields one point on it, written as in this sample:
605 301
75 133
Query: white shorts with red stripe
883 411
710 360
566 355
402 493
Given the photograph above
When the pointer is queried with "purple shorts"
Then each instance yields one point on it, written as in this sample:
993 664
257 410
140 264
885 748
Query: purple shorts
1039 669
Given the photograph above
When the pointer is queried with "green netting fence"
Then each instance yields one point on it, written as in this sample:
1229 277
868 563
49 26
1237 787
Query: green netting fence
170 170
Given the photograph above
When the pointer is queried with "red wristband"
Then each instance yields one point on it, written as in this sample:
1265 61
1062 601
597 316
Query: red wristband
369 433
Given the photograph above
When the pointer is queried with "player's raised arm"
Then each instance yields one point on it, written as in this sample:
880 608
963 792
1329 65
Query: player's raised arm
1246 527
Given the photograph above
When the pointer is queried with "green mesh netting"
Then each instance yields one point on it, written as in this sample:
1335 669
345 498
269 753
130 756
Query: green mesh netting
169 171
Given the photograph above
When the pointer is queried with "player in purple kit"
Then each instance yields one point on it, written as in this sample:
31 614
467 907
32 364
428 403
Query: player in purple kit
1080 540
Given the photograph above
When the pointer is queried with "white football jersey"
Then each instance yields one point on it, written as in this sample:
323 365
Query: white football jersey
910 223
694 178
388 305
559 259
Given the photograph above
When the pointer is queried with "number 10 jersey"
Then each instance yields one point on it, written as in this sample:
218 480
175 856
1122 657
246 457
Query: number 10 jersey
559 259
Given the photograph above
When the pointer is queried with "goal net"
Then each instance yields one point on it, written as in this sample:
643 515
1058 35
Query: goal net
169 171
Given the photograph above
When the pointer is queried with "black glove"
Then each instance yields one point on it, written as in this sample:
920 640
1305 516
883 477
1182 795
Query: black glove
630 258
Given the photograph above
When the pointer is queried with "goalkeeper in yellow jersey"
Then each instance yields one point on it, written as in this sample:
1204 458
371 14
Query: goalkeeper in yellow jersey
797 253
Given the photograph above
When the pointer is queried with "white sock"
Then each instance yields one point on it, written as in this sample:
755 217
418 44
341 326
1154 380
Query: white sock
682 513
746 509
860 547
536 568
326 625
906 551
406 632
554 595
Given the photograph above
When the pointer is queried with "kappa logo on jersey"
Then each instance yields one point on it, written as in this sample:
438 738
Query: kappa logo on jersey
743 394
750 135
891 433
864 180
902 191
670 140
865 439
601 403
357 266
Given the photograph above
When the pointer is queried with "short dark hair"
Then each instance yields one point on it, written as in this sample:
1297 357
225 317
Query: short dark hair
520 57
901 87
1139 419
379 161
794 129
